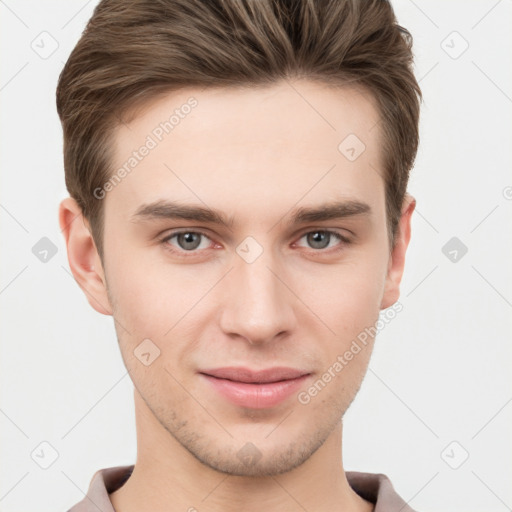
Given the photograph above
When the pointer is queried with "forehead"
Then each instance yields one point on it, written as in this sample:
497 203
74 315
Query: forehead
252 147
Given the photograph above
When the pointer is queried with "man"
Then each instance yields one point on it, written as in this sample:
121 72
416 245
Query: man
238 174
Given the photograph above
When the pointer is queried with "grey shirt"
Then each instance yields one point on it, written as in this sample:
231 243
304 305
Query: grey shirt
373 487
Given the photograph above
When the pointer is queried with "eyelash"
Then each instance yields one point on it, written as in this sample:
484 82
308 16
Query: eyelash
182 253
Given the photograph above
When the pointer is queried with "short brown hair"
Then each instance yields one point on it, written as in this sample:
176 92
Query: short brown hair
132 51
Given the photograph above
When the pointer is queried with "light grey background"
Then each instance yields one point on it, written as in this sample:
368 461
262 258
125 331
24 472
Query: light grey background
438 388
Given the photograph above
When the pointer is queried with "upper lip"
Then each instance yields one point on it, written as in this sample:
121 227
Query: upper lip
241 374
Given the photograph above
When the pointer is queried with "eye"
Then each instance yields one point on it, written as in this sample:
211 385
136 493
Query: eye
321 239
187 241
181 242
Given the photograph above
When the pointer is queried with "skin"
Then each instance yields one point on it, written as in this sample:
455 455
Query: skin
254 154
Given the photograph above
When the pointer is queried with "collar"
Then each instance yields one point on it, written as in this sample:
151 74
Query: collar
373 487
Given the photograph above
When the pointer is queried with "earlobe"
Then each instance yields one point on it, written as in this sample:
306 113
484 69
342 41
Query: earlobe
83 257
397 257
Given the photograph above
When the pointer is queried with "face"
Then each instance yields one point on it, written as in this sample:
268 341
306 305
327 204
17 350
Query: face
228 323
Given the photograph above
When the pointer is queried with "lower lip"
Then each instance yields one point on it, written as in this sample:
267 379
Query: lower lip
256 396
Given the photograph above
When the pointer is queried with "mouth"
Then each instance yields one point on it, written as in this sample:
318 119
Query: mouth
260 389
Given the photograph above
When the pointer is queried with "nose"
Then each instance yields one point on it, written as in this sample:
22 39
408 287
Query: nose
257 305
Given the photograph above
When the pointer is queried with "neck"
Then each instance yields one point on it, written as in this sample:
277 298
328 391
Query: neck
167 477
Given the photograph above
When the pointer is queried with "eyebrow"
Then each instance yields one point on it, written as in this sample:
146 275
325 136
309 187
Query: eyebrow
164 209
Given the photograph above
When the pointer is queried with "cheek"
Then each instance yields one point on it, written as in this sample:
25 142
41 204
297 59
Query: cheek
135 280
164 303
351 309
136 293
347 297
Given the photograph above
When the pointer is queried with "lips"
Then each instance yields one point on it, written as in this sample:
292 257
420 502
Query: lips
239 374
256 389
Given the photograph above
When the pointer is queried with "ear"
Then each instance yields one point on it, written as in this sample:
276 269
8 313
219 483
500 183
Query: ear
83 257
397 256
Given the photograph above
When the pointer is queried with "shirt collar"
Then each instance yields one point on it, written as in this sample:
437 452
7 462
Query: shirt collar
373 487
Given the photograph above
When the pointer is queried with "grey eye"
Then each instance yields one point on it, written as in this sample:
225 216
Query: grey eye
187 241
319 239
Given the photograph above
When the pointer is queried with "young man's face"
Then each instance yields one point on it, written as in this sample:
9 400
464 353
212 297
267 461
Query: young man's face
260 293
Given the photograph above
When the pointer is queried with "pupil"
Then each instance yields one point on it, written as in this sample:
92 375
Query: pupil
189 239
319 238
